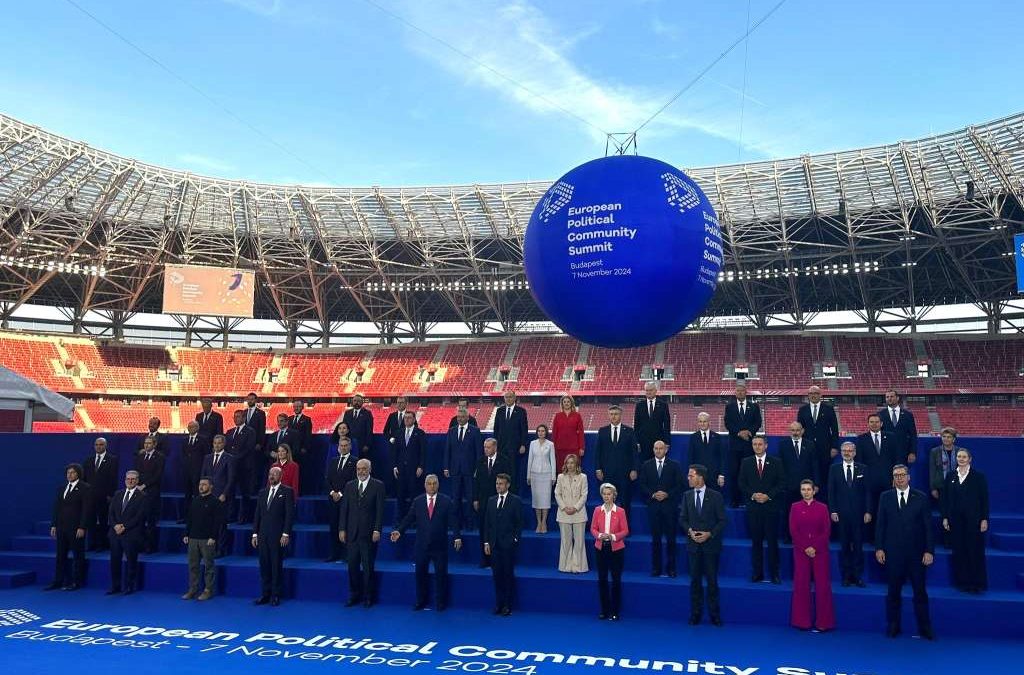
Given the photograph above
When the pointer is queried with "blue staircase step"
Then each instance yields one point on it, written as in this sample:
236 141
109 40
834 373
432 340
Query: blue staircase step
1007 541
16 578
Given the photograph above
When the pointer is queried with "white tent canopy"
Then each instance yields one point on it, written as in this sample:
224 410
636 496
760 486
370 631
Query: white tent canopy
42 404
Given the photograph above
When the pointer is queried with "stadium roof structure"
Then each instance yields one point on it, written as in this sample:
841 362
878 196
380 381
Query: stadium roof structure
898 227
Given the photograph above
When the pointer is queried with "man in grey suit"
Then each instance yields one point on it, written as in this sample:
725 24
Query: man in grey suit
702 518
362 510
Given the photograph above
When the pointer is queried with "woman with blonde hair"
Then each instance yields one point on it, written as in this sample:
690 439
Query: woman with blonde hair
567 432
571 497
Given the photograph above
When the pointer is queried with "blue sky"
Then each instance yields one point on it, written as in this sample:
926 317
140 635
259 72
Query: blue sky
364 99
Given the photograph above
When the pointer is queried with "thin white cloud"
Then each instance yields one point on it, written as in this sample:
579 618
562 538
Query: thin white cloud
261 7
204 163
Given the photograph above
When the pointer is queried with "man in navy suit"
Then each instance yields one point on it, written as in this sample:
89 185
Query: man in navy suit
271 533
798 463
899 422
340 470
433 515
708 449
488 468
743 420
396 420
302 425
410 450
293 438
159 439
150 464
241 442
503 527
463 446
462 402
127 515
702 518
848 504
875 449
210 421
661 484
652 422
101 472
511 429
821 425
219 467
362 511
255 418
360 429
762 482
192 453
72 514
904 546
617 456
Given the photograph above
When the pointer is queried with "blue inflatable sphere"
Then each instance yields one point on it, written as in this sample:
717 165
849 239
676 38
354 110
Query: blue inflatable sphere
623 251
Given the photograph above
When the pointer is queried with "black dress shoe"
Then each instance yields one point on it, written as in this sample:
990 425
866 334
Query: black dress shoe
716 621
367 603
927 634
498 610
71 587
441 606
506 612
655 573
418 606
352 602
262 600
892 631
860 583
672 574
613 617
694 620
756 578
602 616
129 590
331 559
54 586
846 583
776 579
113 591
275 601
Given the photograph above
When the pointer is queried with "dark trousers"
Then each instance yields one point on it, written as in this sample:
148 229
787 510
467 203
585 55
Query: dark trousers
623 488
874 494
222 537
662 518
704 567
967 542
126 547
899 572
824 461
245 470
98 532
337 549
68 542
503 569
789 497
440 560
763 524
271 566
191 472
738 451
362 554
462 496
851 545
152 533
609 561
407 487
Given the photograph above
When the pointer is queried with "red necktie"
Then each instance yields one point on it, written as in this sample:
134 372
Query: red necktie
760 468
430 508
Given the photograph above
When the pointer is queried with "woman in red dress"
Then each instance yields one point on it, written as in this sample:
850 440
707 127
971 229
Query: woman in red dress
567 432
809 523
289 469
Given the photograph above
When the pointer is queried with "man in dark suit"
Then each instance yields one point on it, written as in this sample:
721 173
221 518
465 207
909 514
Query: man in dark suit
433 515
702 518
255 418
503 526
652 422
302 425
899 422
762 483
396 420
241 443
293 438
127 515
462 402
875 449
799 462
72 514
219 467
271 533
708 449
410 450
821 425
661 484
511 430
463 446
743 420
210 421
100 472
360 430
362 511
617 456
159 439
848 505
904 546
340 471
488 468
150 465
192 453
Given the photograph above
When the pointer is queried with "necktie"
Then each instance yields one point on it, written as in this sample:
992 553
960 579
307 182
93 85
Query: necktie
191 440
705 435
280 434
501 502
903 501
430 508
659 468
99 460
650 408
615 435
895 417
67 490
797 444
341 463
700 501
356 415
362 488
149 456
490 465
270 497
216 458
408 435
206 418
248 418
878 444
849 474
760 467
743 409
508 412
127 496
814 412
462 434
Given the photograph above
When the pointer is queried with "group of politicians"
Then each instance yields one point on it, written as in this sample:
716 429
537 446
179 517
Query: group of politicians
816 488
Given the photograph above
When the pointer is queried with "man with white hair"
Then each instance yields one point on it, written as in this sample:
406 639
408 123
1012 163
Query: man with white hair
127 516
362 512
708 449
850 508
652 421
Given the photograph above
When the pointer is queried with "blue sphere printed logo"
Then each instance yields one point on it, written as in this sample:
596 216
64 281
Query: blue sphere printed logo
623 251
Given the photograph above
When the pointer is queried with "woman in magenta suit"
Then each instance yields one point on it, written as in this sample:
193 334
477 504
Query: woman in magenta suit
610 530
289 469
810 526
567 432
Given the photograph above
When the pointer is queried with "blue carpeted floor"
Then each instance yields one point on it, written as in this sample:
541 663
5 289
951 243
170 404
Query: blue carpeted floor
747 649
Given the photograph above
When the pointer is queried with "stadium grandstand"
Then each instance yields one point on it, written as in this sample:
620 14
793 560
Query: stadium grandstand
855 271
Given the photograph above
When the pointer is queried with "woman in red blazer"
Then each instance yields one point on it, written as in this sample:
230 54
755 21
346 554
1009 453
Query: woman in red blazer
567 432
810 525
289 469
610 530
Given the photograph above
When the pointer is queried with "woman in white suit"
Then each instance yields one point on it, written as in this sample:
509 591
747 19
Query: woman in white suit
540 476
571 496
